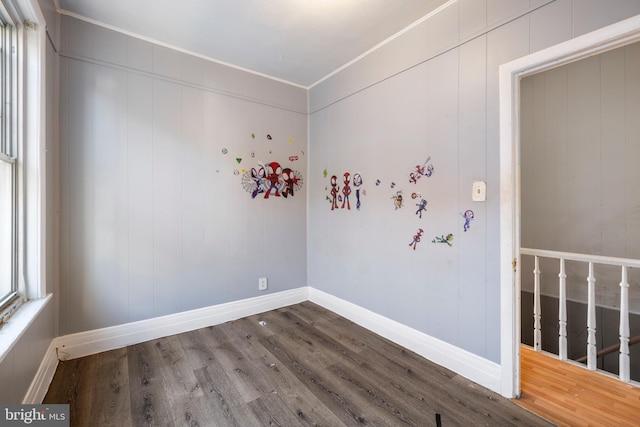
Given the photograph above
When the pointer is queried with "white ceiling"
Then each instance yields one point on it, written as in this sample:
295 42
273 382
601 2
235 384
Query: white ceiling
298 41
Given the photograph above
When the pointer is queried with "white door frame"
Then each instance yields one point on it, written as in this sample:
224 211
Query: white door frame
607 38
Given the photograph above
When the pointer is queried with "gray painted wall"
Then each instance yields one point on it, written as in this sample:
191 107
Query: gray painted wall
431 92
153 219
580 151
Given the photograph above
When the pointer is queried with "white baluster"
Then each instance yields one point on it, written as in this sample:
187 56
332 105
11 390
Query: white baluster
562 310
624 327
536 307
591 321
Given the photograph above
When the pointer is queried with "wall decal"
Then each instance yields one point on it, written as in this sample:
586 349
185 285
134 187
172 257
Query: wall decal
422 206
253 154
271 178
468 215
236 172
416 238
377 182
238 159
393 184
420 171
253 136
290 140
357 183
324 173
293 158
442 239
397 200
334 192
225 151
292 181
243 170
274 170
346 190
416 195
269 137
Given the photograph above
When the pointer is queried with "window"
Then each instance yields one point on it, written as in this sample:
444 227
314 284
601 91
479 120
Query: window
8 171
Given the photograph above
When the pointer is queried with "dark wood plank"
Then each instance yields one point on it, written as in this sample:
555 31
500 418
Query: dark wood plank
112 398
227 405
184 392
73 384
224 405
149 403
280 380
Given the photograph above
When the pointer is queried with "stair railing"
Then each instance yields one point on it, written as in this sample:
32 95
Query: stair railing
624 264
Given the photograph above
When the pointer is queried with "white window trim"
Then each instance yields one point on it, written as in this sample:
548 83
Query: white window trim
31 169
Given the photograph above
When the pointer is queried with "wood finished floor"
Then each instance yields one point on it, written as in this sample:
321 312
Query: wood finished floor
573 396
306 367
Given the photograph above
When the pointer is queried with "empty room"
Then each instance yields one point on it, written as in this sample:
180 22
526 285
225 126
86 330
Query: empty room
330 212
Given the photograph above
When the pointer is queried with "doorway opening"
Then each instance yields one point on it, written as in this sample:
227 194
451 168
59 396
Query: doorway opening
617 35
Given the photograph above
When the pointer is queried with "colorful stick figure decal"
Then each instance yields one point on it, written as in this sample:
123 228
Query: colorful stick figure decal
420 171
416 238
334 192
468 216
397 200
357 183
346 190
442 239
422 206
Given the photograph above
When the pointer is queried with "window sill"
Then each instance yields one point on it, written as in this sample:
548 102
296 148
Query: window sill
19 322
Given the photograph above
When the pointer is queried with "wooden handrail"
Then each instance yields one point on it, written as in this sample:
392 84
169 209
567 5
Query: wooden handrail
611 349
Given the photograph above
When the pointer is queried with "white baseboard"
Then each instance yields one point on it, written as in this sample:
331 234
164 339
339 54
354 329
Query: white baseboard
91 342
480 370
42 380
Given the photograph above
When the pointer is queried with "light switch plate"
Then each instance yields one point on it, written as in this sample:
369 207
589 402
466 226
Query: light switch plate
479 191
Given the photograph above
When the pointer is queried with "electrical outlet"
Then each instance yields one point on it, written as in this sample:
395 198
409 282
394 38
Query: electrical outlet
262 283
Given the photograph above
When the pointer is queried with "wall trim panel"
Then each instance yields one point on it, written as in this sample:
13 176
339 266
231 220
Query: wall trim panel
42 380
82 344
477 369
